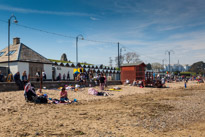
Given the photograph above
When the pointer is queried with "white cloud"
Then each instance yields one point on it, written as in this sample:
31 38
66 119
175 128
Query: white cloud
94 19
23 10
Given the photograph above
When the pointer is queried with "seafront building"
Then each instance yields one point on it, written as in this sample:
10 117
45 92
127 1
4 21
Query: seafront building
23 58
176 67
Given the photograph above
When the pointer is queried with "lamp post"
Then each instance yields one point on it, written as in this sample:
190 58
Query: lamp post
169 52
80 36
9 24
118 46
124 49
163 65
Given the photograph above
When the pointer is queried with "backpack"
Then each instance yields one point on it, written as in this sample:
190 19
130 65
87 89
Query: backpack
41 100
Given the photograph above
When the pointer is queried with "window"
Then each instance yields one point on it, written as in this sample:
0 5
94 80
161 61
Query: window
11 52
1 53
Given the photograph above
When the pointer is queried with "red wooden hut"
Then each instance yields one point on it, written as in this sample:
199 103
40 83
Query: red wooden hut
133 71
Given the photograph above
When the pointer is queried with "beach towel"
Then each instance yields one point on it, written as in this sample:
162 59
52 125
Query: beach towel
117 88
92 91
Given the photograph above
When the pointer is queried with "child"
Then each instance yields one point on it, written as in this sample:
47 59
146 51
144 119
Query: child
63 95
185 84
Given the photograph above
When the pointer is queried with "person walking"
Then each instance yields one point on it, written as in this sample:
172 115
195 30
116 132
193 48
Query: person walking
102 82
105 80
68 76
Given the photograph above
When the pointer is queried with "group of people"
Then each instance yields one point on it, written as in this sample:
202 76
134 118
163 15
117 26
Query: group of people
38 76
21 81
65 77
138 83
31 95
4 78
100 80
24 78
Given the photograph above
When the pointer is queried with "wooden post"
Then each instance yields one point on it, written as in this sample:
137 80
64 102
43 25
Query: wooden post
41 80
28 77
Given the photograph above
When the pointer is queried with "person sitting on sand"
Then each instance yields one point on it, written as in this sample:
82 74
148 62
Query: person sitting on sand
31 95
163 81
29 92
134 83
63 95
39 92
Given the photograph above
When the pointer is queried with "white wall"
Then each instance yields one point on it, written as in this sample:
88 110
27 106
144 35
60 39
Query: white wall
17 66
71 72
23 66
3 64
13 66
64 70
48 70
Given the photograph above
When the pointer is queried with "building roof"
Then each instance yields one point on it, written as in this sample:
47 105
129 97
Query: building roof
21 52
132 64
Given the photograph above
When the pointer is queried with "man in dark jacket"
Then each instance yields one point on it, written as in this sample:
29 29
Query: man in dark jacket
1 77
18 80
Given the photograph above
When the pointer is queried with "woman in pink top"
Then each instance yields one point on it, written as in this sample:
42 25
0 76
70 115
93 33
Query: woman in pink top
63 95
105 80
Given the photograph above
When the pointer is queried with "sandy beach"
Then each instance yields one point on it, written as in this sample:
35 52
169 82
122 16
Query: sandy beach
133 111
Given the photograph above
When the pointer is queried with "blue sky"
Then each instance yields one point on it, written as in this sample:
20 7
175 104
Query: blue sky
147 27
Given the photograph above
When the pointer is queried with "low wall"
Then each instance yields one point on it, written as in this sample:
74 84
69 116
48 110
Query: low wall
6 86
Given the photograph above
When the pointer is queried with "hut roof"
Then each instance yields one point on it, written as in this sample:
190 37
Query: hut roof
133 64
21 52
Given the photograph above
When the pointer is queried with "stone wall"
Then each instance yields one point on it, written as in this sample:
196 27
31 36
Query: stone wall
5 86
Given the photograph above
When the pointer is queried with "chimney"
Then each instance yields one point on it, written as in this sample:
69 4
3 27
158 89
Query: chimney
16 41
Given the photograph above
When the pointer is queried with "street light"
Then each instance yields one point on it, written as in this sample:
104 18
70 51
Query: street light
163 64
169 52
124 49
9 24
80 36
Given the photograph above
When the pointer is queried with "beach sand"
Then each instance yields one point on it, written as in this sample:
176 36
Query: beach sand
131 112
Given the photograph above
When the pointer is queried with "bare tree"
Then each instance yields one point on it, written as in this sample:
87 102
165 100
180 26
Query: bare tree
157 66
110 61
131 57
122 58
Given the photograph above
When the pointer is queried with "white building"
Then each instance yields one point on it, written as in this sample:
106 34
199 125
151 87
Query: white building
22 58
176 67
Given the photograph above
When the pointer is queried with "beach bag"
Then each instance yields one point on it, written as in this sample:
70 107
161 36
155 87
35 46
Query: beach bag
41 100
92 91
